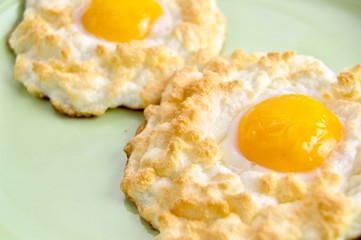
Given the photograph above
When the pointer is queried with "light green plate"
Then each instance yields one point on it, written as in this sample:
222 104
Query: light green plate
59 177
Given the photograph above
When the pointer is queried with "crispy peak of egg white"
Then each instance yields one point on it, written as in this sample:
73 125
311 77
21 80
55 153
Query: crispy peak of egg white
86 60
188 179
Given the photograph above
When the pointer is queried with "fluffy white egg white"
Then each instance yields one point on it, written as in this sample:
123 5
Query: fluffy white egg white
83 74
188 179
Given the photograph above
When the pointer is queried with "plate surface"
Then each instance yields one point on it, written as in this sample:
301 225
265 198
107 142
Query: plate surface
59 177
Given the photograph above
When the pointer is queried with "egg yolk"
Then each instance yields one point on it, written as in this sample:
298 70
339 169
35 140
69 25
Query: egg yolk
288 133
120 20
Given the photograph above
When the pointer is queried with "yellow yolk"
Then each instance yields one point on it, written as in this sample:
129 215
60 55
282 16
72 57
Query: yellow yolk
288 133
120 20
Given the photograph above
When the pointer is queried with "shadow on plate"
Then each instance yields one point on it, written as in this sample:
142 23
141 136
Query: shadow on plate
131 208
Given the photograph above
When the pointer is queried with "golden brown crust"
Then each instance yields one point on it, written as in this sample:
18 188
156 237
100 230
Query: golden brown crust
84 76
350 82
178 178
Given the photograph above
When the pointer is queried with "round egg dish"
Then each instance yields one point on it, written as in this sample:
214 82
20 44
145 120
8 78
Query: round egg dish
86 56
188 178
